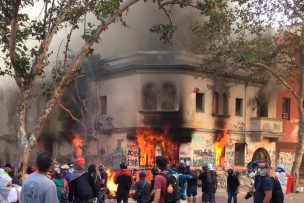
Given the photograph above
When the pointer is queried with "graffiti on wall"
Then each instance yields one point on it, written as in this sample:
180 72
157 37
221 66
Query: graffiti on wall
201 157
286 158
132 154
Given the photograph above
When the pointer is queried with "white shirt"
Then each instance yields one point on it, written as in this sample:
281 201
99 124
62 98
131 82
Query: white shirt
12 195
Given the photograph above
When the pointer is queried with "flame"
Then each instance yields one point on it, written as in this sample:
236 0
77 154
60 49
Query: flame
151 143
77 142
110 184
219 147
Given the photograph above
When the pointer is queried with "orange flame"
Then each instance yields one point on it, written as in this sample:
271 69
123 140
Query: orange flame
77 142
110 184
219 147
152 143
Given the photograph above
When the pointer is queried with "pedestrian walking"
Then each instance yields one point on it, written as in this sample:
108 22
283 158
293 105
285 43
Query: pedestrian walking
82 187
281 175
264 186
37 187
61 186
182 180
142 189
103 180
125 181
192 185
209 183
233 185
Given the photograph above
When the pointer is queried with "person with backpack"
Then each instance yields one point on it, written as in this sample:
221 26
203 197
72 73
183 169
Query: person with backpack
82 187
103 180
209 183
142 189
61 187
125 181
182 180
165 184
264 186
233 185
191 185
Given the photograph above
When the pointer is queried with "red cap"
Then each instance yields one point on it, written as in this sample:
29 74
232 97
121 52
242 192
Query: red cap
80 162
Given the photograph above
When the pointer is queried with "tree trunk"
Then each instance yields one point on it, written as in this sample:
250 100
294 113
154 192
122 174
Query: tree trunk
23 147
295 171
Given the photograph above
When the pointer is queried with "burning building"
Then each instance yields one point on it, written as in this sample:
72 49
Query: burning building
161 103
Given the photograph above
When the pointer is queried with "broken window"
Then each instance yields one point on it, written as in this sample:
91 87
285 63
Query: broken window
238 107
149 97
263 110
103 105
239 155
216 103
224 104
168 97
200 102
286 108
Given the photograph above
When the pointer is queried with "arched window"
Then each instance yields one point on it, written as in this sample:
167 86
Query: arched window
168 96
224 104
149 93
216 103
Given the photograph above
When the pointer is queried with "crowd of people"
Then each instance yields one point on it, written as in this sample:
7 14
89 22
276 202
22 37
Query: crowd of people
74 182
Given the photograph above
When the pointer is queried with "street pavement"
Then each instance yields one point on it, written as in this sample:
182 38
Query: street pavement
221 197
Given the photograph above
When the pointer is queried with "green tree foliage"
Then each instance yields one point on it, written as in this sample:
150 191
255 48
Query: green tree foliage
261 38
25 45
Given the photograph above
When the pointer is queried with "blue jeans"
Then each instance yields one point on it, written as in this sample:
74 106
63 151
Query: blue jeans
101 196
232 193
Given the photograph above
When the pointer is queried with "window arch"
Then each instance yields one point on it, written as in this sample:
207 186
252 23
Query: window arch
149 93
216 103
168 96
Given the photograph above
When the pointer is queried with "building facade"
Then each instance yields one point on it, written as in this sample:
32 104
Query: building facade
162 103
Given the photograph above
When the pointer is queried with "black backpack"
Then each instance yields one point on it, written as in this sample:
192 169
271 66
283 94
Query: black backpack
171 197
277 193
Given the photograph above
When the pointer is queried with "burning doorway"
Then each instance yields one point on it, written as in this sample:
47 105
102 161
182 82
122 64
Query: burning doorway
152 143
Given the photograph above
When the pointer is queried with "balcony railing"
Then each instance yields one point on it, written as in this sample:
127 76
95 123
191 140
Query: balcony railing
267 127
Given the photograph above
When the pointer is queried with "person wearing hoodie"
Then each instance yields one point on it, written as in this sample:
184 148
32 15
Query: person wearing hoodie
182 180
7 192
104 180
124 180
281 176
82 187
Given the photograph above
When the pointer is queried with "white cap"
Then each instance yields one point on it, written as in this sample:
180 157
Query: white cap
281 166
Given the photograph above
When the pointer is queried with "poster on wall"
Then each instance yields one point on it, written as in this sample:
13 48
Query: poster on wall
132 155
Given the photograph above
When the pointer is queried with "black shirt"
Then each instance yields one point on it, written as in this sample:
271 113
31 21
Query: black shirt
232 182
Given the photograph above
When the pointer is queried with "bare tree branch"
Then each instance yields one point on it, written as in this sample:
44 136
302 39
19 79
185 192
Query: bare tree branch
281 80
68 111
38 64
67 46
68 76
